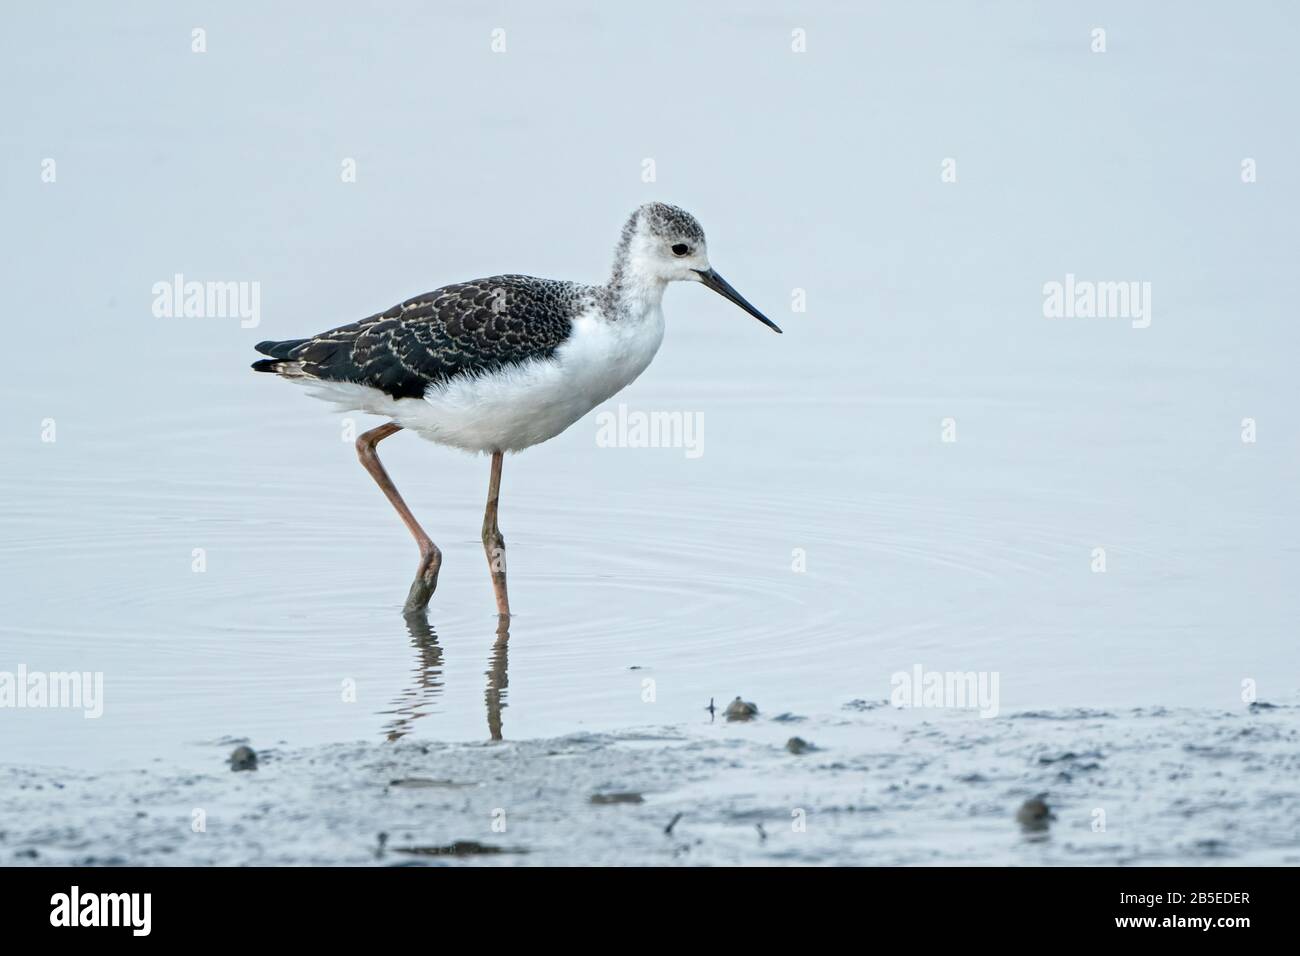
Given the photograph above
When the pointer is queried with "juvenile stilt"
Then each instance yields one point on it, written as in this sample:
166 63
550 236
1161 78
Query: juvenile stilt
494 545
426 575
502 363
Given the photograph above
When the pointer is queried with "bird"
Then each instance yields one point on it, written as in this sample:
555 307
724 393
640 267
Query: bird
496 365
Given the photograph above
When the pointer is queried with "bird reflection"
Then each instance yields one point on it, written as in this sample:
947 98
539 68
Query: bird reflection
419 699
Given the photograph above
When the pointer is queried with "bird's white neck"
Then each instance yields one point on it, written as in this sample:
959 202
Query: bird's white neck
635 300
634 289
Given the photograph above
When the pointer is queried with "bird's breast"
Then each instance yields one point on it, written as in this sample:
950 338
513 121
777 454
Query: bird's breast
602 357
519 406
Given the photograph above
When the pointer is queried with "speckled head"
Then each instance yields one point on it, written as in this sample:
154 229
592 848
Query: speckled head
670 223
662 244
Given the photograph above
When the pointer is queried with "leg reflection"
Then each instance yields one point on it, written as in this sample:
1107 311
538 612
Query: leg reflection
497 677
419 698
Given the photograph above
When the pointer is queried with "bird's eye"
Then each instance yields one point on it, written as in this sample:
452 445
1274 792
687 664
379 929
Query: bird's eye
681 249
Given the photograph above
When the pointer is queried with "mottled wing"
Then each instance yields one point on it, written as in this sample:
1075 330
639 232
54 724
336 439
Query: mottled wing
462 329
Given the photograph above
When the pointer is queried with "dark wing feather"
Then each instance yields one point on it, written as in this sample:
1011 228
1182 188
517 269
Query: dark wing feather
462 329
278 349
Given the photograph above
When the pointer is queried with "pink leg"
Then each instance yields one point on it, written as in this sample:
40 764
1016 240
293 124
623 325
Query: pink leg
426 576
494 545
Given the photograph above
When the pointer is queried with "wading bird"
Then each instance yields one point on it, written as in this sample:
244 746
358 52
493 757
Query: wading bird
498 365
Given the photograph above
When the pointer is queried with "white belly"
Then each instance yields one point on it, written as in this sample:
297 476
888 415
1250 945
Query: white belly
515 408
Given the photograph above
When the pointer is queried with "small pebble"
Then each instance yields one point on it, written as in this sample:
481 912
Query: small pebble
740 710
1034 814
243 758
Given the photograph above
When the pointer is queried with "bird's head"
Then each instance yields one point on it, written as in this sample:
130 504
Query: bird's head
662 244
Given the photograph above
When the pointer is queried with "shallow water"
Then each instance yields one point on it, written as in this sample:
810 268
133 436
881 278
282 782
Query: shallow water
826 538
626 565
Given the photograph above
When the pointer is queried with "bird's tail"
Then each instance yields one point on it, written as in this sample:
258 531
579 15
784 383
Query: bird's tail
279 363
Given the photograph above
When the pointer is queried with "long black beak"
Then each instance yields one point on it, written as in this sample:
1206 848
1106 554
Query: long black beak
724 289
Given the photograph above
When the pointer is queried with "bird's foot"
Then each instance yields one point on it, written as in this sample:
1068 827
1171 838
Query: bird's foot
425 583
